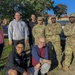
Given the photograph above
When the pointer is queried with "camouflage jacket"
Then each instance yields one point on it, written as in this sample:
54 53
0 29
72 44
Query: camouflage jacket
52 32
69 31
38 31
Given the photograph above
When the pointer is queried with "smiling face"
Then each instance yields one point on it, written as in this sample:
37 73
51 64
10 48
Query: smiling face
72 19
33 17
19 48
53 20
17 16
41 42
39 22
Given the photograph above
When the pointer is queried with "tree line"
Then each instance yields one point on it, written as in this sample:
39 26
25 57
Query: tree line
28 7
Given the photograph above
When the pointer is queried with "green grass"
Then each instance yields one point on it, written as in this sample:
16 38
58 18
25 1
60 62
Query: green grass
5 54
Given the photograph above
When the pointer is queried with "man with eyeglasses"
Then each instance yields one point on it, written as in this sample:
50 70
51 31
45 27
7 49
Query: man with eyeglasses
39 59
38 30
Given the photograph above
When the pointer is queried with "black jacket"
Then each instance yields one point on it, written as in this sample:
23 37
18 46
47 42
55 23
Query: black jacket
16 62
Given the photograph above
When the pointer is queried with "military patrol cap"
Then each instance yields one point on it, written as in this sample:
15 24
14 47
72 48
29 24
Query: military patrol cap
39 18
72 16
52 17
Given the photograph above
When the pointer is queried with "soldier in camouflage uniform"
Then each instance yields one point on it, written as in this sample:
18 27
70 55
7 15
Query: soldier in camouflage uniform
69 31
38 30
52 32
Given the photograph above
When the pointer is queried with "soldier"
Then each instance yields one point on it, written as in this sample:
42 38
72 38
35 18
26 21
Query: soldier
69 31
38 30
52 32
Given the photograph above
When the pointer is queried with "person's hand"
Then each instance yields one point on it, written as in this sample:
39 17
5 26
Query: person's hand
25 41
25 73
37 66
10 42
47 61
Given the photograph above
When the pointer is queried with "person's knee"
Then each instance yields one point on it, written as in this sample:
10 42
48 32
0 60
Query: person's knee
45 68
37 66
12 72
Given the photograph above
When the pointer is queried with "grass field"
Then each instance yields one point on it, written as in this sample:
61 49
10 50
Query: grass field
54 70
5 54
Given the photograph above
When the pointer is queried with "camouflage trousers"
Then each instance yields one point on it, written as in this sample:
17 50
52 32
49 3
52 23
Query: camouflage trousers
58 51
69 49
57 48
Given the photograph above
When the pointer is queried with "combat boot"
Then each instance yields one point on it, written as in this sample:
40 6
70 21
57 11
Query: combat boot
65 69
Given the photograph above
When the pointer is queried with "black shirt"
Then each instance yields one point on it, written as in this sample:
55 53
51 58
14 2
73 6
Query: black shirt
32 24
16 62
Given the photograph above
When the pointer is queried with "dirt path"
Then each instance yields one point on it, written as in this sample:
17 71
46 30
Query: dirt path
57 71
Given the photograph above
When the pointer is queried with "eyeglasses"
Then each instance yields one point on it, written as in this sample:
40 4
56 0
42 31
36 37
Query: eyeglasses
17 15
42 42
20 47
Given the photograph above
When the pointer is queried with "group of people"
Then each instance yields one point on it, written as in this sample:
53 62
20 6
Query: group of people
17 59
39 36
52 32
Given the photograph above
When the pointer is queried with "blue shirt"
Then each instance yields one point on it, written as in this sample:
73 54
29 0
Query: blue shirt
35 53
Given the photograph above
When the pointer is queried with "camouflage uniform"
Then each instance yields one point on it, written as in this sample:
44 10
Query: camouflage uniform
52 32
69 31
38 31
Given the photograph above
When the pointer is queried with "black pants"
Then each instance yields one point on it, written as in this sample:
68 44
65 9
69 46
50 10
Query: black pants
31 40
1 49
15 42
